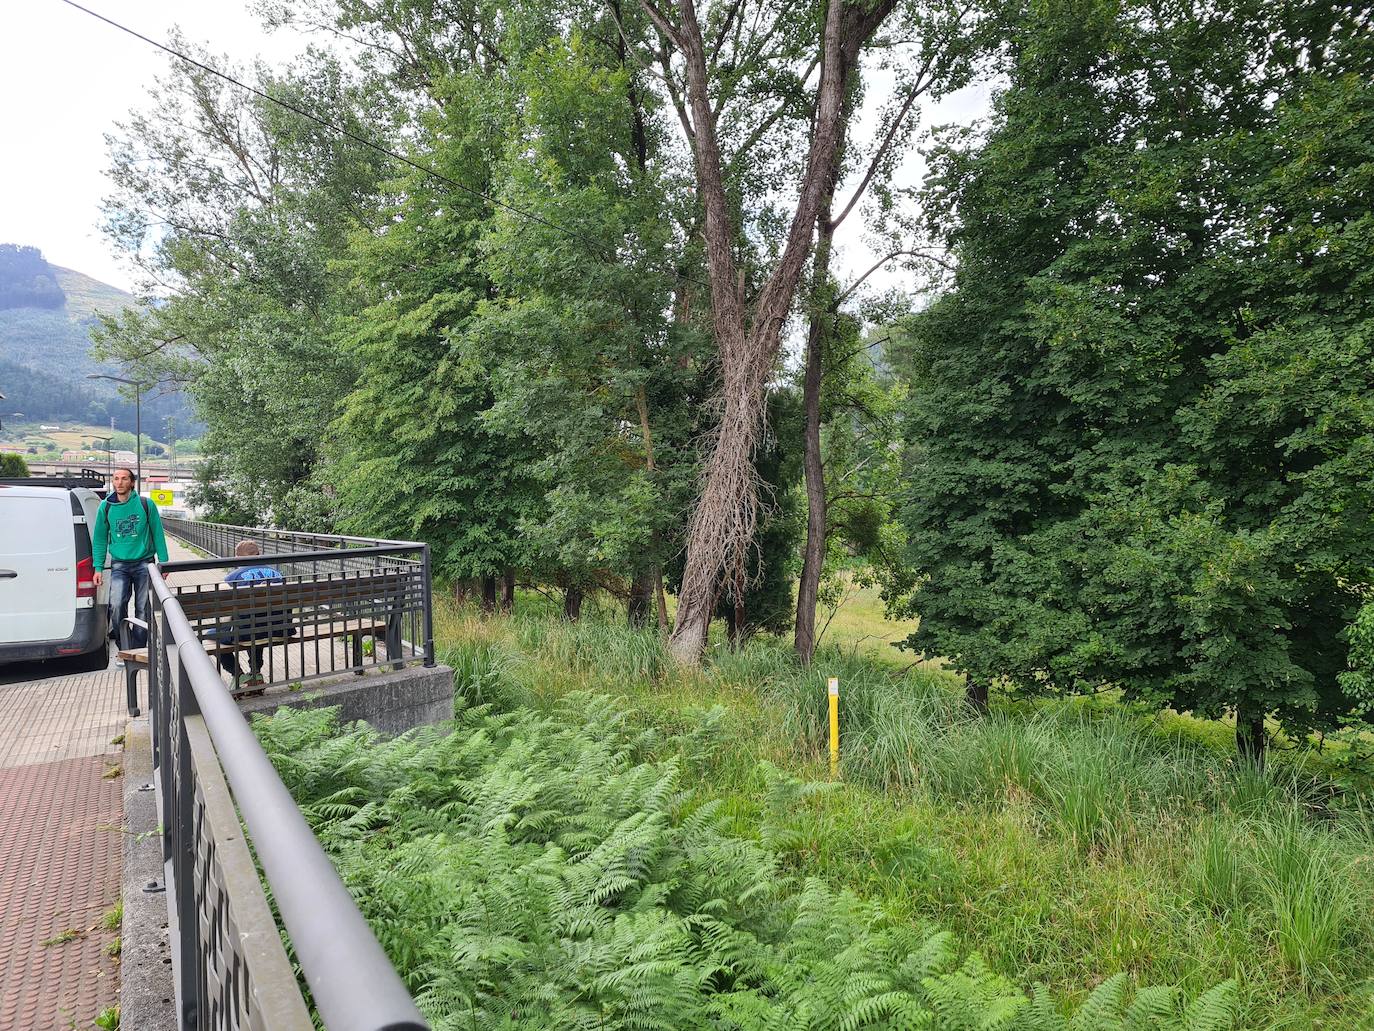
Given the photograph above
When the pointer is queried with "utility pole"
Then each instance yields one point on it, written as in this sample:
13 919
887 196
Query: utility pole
109 459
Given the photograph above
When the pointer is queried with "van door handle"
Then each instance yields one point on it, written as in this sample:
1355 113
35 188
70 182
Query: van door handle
7 574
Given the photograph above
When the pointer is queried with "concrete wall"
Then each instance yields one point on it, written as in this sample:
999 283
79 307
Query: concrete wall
392 702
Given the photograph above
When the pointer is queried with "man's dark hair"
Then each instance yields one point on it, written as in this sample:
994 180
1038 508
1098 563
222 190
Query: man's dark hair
125 469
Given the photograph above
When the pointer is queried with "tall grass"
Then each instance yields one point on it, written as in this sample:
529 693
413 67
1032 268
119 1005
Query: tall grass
1055 838
1317 911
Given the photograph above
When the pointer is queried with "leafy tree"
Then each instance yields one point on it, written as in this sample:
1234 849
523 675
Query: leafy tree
948 42
578 342
418 456
237 206
710 66
13 465
1139 436
26 281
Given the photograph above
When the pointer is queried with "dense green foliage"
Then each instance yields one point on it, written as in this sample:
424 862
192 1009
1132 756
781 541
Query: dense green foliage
508 356
535 871
25 279
252 203
1140 437
417 459
13 465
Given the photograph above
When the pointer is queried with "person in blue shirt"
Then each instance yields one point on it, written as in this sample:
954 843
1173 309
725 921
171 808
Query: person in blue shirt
229 661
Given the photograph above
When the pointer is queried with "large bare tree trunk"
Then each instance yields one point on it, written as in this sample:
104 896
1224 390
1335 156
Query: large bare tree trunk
722 526
488 594
508 592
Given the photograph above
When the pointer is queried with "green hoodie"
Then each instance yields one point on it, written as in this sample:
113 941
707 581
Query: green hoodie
128 532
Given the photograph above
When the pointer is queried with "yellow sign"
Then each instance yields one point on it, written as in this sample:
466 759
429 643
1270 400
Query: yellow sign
161 498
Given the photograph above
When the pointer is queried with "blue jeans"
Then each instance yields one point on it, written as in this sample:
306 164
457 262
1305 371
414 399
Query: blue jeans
129 579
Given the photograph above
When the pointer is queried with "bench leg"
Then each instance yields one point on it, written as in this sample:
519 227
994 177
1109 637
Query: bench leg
393 640
131 687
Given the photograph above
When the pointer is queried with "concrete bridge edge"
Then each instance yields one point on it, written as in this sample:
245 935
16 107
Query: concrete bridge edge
146 999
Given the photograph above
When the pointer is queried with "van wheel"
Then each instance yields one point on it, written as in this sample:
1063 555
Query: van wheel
90 662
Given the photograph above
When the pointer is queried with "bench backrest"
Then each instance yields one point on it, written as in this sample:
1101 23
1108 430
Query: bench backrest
331 598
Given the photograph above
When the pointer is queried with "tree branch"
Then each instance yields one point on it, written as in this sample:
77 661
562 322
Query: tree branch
662 22
766 124
925 255
922 84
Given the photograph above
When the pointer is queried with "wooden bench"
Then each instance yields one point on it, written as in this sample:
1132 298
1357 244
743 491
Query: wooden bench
292 612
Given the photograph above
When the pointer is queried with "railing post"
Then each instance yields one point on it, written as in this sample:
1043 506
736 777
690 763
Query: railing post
184 857
428 602
159 683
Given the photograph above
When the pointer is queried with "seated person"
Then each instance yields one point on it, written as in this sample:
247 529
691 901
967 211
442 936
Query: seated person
277 624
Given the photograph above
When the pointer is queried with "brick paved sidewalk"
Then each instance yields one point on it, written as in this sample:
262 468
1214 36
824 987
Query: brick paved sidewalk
62 849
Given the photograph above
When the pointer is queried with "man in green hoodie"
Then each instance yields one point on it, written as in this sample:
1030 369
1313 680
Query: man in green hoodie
129 531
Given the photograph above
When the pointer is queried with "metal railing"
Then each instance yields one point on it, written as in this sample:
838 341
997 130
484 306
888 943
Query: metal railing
218 540
230 968
339 604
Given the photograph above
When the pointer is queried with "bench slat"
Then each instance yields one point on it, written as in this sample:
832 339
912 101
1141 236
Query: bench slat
344 594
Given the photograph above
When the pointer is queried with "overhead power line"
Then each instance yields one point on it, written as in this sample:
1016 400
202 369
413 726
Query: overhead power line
572 234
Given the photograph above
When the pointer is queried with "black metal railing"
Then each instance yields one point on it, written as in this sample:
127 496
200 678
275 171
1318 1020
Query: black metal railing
323 605
219 540
214 781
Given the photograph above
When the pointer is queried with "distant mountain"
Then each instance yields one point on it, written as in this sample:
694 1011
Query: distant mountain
46 316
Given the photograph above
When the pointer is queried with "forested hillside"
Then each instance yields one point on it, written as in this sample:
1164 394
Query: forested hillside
47 315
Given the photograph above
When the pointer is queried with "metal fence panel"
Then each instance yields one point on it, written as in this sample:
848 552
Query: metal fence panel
342 604
215 782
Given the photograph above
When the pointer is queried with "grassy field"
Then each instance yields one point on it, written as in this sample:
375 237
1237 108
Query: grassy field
1065 843
71 437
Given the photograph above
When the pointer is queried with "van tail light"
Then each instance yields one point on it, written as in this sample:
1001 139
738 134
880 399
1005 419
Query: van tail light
85 578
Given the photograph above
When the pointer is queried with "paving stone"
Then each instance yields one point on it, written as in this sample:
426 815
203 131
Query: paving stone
61 856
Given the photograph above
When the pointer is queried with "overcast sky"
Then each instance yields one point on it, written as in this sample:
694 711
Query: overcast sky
66 78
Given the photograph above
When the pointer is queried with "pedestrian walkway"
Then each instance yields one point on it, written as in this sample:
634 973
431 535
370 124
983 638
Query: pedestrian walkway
62 847
61 852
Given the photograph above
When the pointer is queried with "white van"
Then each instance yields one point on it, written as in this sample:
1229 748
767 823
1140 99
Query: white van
50 607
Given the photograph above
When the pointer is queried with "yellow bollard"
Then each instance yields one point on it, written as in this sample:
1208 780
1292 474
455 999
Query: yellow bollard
834 694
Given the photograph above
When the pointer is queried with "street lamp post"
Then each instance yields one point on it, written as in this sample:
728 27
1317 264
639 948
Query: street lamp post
138 423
